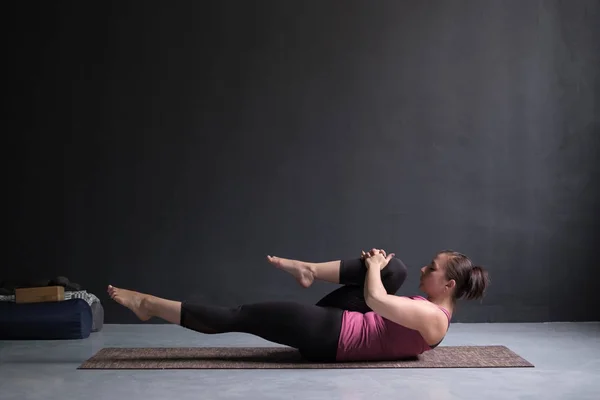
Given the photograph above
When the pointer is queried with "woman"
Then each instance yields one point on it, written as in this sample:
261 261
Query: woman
362 320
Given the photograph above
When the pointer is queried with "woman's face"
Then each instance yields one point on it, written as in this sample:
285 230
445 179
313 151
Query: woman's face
433 277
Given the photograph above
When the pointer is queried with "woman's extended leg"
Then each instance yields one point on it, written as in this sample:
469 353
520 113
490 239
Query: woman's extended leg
311 329
350 273
146 306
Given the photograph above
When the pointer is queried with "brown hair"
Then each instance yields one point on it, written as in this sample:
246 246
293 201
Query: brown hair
471 280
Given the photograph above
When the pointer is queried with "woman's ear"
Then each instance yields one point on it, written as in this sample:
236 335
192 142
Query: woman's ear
451 284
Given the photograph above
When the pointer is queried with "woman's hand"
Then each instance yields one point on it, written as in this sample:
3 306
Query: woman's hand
372 252
376 259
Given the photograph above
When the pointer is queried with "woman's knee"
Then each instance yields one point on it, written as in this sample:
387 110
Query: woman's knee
394 275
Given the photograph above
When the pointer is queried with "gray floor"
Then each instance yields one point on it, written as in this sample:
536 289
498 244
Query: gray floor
566 358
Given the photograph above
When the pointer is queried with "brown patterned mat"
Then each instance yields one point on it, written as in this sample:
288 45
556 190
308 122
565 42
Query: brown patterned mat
284 357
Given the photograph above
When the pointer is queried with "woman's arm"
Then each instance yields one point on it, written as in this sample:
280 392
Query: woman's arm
409 313
373 284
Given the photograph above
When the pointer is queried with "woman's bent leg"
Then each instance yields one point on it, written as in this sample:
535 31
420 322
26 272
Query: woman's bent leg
345 272
354 271
352 275
306 272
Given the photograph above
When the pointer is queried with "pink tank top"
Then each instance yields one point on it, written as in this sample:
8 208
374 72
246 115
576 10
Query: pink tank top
371 337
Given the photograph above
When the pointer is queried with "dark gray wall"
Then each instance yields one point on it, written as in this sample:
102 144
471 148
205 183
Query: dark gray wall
168 147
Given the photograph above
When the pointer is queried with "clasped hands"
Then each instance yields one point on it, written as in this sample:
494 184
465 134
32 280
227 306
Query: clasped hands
376 258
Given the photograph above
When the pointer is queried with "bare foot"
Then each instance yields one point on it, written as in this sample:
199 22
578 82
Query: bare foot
299 270
135 301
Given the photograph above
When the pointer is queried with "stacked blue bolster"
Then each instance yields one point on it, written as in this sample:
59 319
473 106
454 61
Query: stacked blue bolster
69 319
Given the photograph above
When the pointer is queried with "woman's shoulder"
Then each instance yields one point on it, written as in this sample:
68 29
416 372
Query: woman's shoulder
416 297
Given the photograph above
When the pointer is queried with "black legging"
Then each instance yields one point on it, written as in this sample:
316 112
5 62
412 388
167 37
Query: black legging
312 329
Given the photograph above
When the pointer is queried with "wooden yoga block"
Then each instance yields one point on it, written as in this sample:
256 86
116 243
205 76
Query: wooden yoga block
40 294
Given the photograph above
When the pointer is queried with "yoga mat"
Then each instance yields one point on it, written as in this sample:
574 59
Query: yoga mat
289 358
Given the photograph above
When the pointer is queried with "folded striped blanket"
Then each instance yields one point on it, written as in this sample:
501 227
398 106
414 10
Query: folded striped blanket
81 294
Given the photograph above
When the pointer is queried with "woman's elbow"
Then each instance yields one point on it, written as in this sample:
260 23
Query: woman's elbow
374 301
